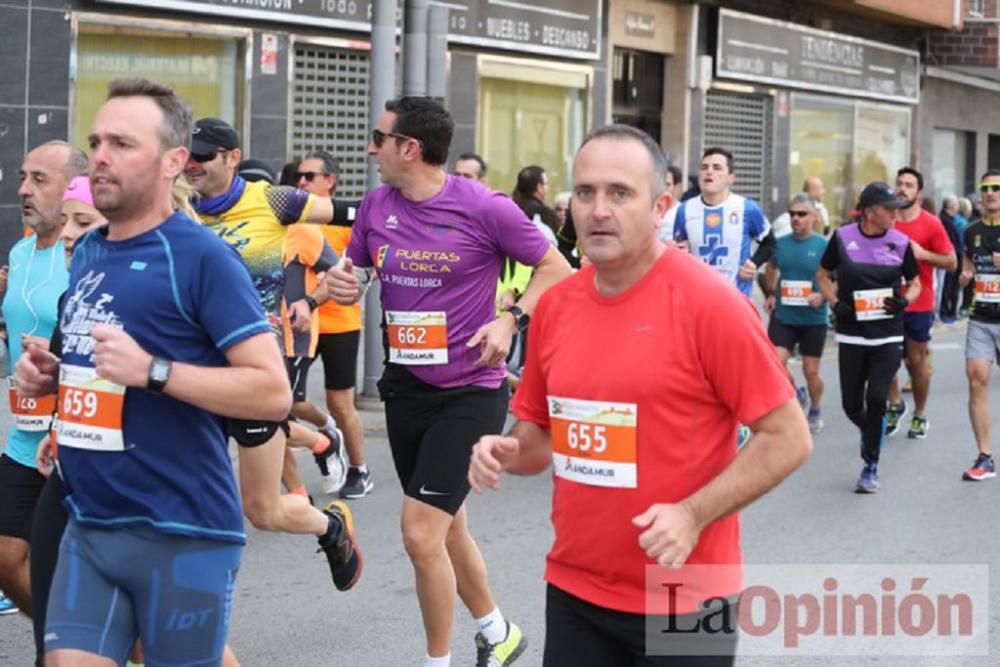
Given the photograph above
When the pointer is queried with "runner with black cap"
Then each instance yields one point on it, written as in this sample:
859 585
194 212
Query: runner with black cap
253 218
872 262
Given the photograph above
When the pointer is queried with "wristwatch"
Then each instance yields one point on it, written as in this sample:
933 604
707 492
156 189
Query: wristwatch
311 302
159 373
521 318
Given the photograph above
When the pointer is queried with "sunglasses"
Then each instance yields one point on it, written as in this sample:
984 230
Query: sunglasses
378 137
989 187
207 157
309 175
798 214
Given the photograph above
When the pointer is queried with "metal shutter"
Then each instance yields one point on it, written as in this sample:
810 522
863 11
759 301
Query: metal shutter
330 110
742 124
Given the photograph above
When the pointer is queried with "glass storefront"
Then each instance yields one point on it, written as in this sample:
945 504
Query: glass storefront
530 115
208 72
954 163
847 144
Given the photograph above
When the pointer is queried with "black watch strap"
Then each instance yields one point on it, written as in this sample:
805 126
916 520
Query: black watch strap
159 373
520 317
311 302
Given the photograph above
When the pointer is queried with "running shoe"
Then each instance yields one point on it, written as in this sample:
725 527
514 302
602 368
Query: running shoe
868 481
983 468
815 420
358 485
918 427
893 415
332 463
803 397
341 549
504 653
6 606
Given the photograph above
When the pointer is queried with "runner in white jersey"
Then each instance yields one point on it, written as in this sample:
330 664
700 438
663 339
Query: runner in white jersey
720 227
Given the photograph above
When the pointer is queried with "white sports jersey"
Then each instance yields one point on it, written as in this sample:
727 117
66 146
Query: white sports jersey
721 235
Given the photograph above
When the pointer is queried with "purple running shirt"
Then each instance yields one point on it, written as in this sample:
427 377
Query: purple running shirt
439 262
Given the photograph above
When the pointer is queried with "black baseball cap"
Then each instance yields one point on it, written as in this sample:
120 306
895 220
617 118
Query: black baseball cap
878 193
213 134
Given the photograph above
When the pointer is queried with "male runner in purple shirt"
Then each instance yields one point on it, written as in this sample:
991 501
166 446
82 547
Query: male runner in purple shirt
437 243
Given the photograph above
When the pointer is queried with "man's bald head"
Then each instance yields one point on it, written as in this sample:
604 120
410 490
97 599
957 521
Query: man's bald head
813 187
44 175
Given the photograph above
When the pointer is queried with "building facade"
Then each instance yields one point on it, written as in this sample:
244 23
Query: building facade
524 81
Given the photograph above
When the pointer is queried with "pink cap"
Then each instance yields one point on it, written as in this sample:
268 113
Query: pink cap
79 189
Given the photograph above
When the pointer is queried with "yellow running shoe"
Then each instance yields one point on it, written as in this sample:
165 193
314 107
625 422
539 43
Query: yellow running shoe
504 653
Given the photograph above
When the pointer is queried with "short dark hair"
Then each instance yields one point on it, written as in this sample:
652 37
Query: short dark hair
178 122
287 174
330 164
716 150
913 172
619 132
988 173
528 180
425 120
678 175
479 160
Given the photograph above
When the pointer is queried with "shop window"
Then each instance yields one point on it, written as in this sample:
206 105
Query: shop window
953 156
207 72
881 144
530 116
847 144
822 133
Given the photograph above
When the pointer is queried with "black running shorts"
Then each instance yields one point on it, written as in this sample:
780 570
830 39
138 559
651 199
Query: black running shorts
20 488
339 352
298 376
810 339
431 434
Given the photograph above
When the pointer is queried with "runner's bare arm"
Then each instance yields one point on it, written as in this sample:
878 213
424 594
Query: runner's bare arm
913 290
525 450
827 287
968 271
780 444
946 261
253 386
36 372
494 338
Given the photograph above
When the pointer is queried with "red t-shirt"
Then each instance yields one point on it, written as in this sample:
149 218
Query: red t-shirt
684 358
926 229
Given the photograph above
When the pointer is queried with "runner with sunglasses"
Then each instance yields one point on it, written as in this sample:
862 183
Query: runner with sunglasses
253 219
981 267
339 338
798 310
437 242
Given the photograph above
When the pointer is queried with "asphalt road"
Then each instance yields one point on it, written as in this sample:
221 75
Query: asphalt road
287 611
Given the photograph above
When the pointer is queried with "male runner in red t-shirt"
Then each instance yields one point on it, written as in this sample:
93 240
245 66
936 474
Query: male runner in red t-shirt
639 369
933 250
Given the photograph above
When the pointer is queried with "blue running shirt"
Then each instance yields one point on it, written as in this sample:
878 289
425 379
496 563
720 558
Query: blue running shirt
184 295
721 235
36 280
